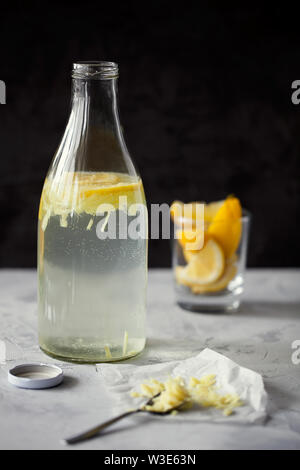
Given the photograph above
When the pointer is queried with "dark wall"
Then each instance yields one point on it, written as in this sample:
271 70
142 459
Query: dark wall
205 100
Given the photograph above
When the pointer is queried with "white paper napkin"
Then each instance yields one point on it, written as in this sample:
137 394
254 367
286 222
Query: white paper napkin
122 379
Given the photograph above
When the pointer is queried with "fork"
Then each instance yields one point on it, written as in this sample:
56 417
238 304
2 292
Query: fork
97 429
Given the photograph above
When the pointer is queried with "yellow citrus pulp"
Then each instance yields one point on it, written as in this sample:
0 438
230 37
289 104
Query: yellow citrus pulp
84 192
176 393
212 264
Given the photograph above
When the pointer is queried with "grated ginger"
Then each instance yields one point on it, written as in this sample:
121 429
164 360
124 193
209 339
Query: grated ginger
125 343
90 224
174 393
107 352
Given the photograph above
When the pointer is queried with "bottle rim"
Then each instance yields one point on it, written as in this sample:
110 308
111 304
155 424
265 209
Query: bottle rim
95 70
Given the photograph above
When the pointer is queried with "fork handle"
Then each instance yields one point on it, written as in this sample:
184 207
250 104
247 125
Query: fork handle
93 431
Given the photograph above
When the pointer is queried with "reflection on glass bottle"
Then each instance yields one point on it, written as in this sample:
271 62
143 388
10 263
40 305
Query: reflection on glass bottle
92 282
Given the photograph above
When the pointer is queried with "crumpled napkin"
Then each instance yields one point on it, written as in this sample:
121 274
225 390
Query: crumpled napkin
122 379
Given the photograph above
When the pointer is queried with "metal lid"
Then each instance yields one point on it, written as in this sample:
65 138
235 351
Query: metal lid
37 375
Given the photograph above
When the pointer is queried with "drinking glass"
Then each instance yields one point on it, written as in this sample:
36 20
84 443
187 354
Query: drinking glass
222 295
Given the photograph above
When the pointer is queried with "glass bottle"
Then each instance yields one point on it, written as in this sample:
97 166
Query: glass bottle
92 270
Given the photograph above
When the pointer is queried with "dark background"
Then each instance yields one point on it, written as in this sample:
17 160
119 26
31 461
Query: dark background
205 101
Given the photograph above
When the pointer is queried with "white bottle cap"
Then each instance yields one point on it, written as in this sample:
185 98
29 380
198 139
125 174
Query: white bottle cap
36 375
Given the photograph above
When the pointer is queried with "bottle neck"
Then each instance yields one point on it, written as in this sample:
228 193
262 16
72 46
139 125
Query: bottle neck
94 103
93 139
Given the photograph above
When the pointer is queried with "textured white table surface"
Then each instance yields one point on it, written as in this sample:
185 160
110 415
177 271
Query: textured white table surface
259 337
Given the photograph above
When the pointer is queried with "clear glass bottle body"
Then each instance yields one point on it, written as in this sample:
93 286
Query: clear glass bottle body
92 287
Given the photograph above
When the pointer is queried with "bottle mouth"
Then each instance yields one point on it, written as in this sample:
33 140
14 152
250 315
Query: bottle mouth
95 70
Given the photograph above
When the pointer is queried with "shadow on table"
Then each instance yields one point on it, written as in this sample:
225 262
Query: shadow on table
260 309
68 382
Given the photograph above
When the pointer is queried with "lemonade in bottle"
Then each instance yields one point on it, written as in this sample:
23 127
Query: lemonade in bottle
92 233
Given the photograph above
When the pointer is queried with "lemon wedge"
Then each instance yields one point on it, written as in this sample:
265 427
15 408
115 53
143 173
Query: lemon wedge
211 210
229 273
180 210
226 226
204 267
